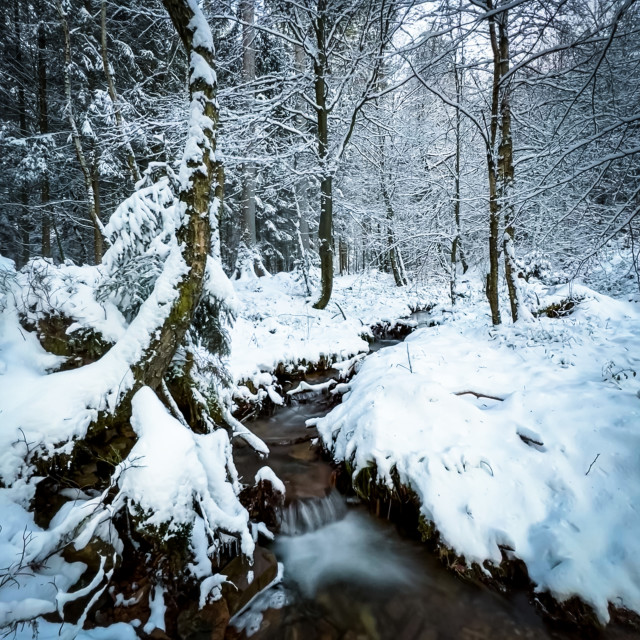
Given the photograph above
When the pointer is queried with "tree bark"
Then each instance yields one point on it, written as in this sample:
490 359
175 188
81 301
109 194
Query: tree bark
325 229
98 229
131 158
43 123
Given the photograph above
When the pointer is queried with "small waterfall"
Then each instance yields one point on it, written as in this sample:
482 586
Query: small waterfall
311 514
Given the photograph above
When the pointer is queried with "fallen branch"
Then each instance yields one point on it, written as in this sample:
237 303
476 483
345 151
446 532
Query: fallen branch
530 441
340 308
478 395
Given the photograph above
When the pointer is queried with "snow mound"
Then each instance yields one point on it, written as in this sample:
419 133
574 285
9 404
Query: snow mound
170 469
523 438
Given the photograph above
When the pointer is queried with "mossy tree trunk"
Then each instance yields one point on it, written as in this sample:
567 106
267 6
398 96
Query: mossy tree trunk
501 170
194 195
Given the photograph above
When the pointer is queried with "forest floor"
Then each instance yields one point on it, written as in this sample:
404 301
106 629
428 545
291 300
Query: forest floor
519 441
278 330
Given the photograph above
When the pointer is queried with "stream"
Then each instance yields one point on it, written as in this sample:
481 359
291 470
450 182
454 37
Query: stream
347 574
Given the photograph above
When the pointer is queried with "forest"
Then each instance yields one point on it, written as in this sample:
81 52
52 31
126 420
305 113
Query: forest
319 318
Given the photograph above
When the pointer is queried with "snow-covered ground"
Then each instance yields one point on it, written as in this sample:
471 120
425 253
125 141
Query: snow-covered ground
43 410
278 328
547 468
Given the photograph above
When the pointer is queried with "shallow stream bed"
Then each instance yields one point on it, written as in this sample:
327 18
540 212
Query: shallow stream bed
348 574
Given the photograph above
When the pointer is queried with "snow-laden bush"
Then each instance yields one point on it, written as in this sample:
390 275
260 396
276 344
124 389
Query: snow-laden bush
140 232
535 265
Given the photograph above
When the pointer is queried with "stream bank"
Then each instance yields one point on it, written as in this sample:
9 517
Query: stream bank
349 574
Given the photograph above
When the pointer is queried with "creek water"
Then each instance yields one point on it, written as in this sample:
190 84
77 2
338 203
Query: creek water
347 574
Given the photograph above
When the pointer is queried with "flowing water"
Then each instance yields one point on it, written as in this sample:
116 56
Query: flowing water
347 574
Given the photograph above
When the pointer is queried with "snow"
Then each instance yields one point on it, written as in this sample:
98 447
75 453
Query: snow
201 70
249 618
44 289
565 506
158 610
218 286
200 29
170 469
278 328
29 589
55 631
267 474
211 589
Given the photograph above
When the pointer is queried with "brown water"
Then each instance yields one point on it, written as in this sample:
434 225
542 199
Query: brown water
350 575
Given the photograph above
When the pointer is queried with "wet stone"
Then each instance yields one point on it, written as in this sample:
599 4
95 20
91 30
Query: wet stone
264 568
208 623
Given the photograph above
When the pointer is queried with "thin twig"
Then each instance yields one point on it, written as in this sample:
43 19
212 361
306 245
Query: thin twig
591 465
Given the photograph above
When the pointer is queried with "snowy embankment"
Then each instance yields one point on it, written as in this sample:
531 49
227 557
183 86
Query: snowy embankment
523 439
278 329
45 411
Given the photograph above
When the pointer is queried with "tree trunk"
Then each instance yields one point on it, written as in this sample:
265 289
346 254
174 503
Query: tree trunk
131 158
393 253
325 229
247 15
395 261
456 252
98 230
302 185
194 194
25 223
43 123
95 189
494 202
505 168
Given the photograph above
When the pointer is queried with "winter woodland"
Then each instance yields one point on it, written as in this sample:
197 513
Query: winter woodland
276 272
